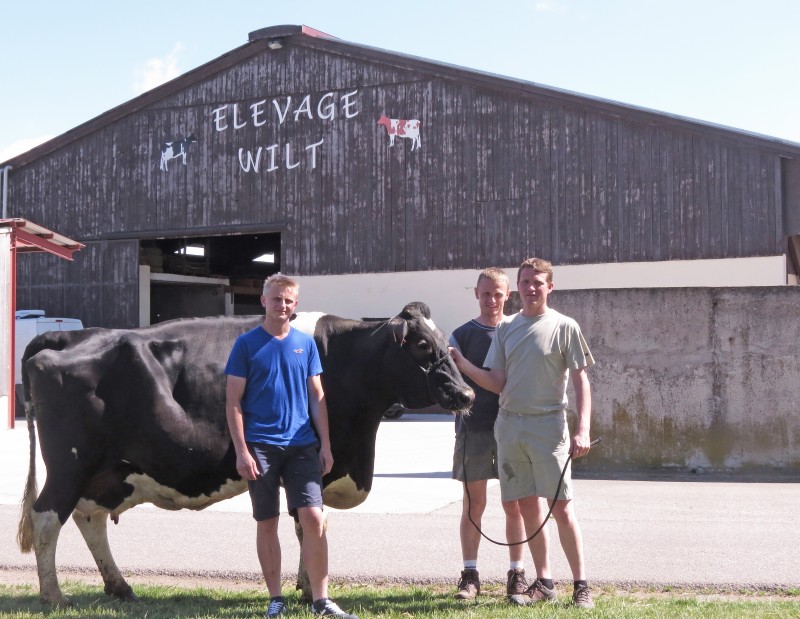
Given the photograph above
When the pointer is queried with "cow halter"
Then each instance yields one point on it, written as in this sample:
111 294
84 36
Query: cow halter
426 371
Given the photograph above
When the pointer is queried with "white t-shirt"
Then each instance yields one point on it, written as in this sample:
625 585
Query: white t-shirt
536 355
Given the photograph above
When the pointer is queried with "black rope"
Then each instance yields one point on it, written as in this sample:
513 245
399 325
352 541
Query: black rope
549 512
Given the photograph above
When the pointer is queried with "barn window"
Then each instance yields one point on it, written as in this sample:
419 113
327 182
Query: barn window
192 250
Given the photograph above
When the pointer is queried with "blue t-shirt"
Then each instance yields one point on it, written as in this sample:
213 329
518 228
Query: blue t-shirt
275 400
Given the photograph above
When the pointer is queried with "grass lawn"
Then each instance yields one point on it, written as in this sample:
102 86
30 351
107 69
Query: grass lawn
401 602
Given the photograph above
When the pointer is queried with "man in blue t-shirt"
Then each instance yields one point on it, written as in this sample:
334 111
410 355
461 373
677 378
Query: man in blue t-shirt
278 421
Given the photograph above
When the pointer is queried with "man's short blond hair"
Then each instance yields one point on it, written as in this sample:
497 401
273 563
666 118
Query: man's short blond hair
281 280
494 274
539 265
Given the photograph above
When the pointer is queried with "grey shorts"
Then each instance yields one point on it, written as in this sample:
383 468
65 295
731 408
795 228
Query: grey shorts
481 455
532 451
296 467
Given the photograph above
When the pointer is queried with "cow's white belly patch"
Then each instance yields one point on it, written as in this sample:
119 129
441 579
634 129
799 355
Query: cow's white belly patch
306 322
148 490
343 494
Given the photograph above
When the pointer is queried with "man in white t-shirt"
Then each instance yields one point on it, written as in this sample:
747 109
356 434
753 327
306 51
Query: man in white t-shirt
530 360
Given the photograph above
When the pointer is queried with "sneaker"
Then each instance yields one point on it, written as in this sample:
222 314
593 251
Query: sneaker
469 587
534 594
581 597
516 582
276 608
328 608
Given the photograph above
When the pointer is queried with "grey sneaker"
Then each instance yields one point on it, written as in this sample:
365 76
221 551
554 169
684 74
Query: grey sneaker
582 597
516 582
326 607
534 594
276 608
469 587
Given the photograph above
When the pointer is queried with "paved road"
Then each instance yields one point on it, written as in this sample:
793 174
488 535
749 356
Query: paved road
648 532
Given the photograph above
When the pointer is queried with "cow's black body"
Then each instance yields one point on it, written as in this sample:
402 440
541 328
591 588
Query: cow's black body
127 417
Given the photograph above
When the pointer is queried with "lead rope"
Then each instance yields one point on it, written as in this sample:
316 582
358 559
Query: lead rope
549 512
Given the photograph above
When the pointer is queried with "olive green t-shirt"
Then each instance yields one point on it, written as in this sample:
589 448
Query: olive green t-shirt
536 354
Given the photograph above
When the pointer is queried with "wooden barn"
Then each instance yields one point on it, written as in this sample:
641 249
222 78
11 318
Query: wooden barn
380 178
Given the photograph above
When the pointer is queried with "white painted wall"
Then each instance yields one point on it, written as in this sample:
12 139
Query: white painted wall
452 301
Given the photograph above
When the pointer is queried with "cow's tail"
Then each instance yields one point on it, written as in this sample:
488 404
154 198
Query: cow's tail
25 530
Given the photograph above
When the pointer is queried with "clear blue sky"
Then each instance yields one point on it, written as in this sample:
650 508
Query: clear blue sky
729 62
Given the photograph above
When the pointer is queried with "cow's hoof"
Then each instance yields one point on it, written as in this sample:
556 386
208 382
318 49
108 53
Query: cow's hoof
305 593
59 602
122 593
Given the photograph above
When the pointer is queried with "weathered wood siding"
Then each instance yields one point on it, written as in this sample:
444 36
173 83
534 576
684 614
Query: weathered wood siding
501 173
101 288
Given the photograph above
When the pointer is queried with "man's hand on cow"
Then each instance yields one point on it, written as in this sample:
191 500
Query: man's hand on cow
458 358
246 466
326 459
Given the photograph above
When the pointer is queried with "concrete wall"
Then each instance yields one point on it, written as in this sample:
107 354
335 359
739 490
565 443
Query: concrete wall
693 378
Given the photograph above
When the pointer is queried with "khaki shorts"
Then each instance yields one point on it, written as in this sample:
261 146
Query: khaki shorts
481 456
532 451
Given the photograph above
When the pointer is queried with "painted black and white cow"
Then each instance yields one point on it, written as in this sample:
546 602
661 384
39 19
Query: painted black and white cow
174 149
135 416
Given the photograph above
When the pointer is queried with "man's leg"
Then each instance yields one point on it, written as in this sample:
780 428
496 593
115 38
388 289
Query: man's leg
315 549
515 530
473 504
569 532
472 507
516 582
533 513
268 547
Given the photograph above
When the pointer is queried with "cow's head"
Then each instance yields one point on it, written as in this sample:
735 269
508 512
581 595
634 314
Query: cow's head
422 359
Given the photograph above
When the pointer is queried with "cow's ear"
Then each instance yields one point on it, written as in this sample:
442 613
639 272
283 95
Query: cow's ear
399 328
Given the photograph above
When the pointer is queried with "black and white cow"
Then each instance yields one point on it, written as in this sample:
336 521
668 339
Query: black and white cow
134 416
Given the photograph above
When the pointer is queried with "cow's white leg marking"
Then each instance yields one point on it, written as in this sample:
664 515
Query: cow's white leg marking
46 528
93 527
306 322
343 494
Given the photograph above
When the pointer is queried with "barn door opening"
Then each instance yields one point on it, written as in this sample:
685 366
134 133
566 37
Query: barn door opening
793 261
205 275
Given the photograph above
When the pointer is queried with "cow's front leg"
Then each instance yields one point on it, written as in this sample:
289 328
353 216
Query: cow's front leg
303 582
46 528
94 528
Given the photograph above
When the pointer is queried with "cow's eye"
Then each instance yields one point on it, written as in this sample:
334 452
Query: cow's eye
423 345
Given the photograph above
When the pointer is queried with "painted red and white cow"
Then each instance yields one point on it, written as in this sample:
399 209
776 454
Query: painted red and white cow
402 128
138 416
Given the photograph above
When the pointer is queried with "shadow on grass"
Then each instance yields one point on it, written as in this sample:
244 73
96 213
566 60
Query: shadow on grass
154 603
165 602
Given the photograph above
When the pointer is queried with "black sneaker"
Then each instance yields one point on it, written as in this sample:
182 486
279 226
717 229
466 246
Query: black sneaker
582 597
534 594
326 607
469 587
276 608
517 584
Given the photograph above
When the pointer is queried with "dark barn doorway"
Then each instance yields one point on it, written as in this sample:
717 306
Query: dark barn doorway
206 275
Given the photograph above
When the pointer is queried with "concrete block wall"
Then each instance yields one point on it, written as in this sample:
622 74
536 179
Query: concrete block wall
692 378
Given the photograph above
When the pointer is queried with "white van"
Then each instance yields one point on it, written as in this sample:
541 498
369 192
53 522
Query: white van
27 325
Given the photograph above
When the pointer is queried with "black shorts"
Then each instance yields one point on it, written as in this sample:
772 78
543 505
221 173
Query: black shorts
297 468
